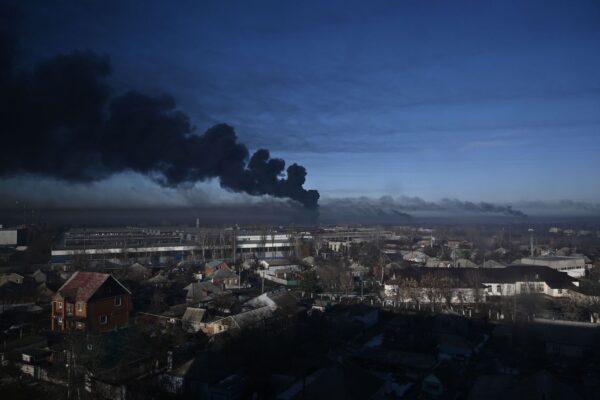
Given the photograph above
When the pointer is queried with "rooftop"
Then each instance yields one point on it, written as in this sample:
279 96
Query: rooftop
81 286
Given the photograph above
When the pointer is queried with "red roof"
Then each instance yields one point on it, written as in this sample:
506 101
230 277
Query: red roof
82 285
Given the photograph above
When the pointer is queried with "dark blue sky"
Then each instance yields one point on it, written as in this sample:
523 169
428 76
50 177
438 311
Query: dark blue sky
494 101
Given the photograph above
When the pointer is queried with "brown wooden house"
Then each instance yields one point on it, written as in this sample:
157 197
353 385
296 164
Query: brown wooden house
90 301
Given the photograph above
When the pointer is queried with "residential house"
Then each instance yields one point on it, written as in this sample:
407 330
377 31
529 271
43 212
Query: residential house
255 318
212 266
259 312
501 251
281 300
575 266
416 257
459 244
226 278
201 291
434 262
90 301
39 276
280 271
465 263
493 264
11 277
205 376
358 270
193 318
14 295
337 246
509 281
159 280
136 272
526 279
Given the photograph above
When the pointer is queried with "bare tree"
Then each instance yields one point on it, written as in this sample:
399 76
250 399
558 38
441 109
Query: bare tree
328 275
447 286
346 280
529 299
430 283
408 289
474 281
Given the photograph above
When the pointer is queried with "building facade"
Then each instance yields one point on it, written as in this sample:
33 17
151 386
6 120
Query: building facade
575 266
91 302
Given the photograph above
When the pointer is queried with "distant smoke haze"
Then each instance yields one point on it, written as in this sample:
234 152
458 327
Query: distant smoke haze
132 191
405 206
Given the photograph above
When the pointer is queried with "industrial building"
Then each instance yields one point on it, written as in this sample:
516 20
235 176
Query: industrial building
575 266
13 237
159 246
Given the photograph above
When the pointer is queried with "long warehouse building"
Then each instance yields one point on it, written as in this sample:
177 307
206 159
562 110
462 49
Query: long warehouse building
163 245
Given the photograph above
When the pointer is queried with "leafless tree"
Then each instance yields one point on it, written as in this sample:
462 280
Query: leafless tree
474 281
447 286
408 289
346 280
328 275
430 283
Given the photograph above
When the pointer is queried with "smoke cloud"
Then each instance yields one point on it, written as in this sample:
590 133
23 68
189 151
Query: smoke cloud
482 207
404 206
61 120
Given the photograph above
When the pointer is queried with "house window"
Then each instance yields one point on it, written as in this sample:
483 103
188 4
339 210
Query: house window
59 305
559 291
59 319
499 289
80 325
79 307
103 319
118 301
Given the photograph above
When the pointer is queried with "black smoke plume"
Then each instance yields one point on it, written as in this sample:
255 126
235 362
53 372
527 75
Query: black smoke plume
61 120
482 207
404 206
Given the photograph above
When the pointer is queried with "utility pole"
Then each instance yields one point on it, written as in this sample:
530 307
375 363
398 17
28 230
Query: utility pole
382 266
362 288
235 230
453 257
347 240
234 244
531 241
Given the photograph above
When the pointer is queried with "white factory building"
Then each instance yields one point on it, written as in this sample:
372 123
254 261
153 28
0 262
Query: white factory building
575 266
162 245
